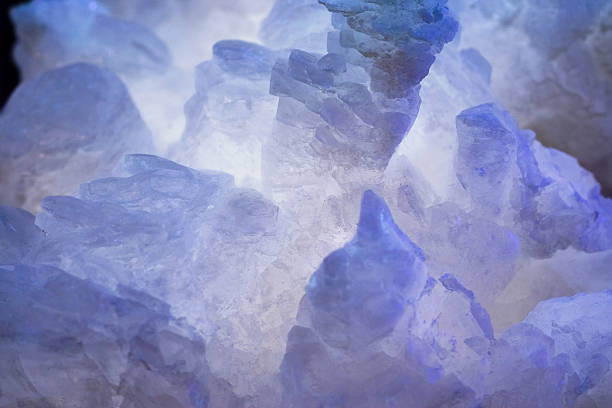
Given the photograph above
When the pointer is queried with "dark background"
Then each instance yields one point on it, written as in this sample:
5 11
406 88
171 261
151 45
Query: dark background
9 76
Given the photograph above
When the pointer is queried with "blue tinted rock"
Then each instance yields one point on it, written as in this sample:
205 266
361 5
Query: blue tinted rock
478 312
100 347
552 202
314 374
367 284
502 221
482 254
244 59
580 327
545 377
73 31
361 304
366 127
334 63
18 234
487 145
63 128
189 238
231 113
380 52
414 32
556 49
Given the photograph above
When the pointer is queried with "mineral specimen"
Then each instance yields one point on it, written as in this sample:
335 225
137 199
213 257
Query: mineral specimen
351 213
555 74
62 128
70 343
232 95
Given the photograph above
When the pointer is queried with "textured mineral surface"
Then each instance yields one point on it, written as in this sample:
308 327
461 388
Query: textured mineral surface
307 204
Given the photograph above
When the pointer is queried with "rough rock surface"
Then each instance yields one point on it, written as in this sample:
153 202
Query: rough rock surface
555 75
66 342
62 128
353 215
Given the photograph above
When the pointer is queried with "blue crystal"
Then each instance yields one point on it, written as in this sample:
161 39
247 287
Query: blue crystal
351 216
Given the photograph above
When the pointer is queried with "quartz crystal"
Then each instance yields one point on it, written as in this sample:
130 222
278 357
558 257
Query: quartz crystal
305 204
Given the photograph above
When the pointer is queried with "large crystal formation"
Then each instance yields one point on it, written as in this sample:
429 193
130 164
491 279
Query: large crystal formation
169 209
353 302
62 128
580 328
71 343
344 215
371 312
356 102
501 166
131 231
396 40
360 291
152 47
555 74
232 94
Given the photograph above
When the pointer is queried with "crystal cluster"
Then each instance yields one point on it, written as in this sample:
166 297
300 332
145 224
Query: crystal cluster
64 127
555 75
340 213
71 343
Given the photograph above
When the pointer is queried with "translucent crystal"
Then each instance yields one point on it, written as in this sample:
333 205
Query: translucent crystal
352 213
103 349
62 128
